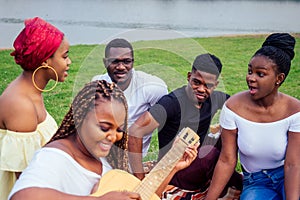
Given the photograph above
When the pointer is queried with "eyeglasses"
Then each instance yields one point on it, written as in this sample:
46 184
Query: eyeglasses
115 61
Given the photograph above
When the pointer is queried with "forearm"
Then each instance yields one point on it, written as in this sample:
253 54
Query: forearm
35 193
221 176
46 193
165 183
143 126
188 157
292 167
292 182
135 146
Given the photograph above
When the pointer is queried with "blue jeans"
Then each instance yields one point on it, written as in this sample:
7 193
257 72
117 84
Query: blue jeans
264 185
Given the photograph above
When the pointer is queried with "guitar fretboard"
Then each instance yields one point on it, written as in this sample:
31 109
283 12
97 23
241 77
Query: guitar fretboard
162 169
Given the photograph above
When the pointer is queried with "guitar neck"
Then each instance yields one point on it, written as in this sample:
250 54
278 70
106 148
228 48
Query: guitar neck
162 169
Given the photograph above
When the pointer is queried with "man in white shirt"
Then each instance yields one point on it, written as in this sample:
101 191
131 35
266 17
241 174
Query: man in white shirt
141 90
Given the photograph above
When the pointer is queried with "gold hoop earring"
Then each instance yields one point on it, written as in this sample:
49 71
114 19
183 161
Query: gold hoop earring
56 78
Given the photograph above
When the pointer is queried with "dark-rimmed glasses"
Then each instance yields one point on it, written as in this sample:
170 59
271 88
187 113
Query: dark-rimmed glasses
115 61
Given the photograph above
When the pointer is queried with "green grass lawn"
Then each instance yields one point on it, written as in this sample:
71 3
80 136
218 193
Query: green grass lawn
168 59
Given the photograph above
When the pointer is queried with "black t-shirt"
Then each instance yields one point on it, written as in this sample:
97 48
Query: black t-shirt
176 111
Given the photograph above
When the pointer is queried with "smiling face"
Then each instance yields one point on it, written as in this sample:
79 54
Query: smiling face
60 61
201 85
262 77
102 127
119 64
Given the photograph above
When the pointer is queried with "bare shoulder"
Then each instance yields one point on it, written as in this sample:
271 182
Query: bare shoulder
236 101
291 104
18 112
63 144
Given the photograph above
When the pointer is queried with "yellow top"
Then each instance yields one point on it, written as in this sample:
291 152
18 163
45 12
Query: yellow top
17 149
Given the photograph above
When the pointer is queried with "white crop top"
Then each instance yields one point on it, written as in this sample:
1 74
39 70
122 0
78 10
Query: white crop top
261 145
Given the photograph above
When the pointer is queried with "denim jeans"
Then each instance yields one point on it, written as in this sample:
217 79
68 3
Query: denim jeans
264 185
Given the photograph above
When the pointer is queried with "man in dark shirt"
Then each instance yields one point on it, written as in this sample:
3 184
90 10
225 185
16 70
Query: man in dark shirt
178 112
193 106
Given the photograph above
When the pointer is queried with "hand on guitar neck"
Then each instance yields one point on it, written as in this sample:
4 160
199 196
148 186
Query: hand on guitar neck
180 156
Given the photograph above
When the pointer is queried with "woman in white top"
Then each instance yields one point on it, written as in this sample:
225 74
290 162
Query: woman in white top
263 125
41 50
91 140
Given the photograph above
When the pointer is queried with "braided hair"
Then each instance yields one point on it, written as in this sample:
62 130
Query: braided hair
82 104
279 47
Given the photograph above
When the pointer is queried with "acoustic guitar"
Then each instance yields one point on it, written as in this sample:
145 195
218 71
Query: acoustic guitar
118 180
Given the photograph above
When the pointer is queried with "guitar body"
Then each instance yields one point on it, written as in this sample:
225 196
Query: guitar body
118 180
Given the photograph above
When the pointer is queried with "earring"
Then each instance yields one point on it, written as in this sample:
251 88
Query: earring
56 78
277 83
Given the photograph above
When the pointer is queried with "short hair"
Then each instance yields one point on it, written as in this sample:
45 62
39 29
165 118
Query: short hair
118 43
208 63
279 47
